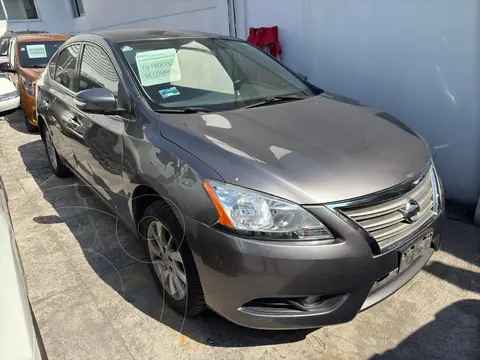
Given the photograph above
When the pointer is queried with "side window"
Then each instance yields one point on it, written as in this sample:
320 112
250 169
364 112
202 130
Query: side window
66 65
97 71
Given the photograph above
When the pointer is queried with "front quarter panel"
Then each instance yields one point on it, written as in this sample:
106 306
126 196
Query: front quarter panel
176 175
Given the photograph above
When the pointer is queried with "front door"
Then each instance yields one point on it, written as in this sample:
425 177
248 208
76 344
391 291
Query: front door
57 101
99 147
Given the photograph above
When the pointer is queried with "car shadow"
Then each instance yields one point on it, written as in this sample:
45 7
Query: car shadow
117 257
462 240
454 334
462 278
462 237
16 120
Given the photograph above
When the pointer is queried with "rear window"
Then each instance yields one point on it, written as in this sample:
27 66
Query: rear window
37 54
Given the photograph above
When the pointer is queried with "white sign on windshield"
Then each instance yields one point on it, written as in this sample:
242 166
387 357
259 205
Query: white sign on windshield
158 66
36 51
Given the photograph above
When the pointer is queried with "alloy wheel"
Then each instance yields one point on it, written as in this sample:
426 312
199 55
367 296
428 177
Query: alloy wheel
167 260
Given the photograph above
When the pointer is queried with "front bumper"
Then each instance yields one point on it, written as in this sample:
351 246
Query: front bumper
236 272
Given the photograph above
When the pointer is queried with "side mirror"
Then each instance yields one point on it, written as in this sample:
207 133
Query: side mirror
6 67
97 101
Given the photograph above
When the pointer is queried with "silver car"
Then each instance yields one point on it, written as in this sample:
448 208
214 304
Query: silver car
273 202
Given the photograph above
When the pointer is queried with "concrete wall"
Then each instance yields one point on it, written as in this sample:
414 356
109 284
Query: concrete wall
417 59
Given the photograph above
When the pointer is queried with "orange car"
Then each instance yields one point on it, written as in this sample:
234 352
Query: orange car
28 56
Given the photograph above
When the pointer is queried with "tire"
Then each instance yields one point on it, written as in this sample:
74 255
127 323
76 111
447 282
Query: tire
31 128
58 166
193 302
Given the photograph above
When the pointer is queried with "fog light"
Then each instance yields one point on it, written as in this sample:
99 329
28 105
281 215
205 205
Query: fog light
318 304
312 300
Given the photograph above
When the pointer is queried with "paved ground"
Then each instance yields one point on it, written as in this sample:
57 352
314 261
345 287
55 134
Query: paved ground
94 298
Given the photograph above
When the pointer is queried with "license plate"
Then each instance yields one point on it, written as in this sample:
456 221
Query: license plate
415 251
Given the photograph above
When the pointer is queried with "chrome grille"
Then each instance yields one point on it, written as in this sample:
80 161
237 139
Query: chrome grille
385 221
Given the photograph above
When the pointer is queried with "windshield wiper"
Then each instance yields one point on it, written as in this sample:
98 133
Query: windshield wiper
274 99
185 110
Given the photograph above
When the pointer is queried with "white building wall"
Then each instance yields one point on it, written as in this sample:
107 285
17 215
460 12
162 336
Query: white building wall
417 59
57 16
200 15
54 16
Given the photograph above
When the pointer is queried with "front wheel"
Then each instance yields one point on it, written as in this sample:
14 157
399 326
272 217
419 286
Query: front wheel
57 164
171 260
30 127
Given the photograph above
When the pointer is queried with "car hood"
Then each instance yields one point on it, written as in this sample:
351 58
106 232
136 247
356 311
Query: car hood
322 149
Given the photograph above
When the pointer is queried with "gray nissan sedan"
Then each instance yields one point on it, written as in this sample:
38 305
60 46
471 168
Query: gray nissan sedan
256 194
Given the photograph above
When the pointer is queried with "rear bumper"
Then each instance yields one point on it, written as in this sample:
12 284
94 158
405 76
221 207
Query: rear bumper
236 272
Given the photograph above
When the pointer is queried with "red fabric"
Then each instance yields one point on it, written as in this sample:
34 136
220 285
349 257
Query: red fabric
266 37
252 37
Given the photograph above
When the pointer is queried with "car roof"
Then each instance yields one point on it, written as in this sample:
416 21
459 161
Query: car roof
152 34
42 37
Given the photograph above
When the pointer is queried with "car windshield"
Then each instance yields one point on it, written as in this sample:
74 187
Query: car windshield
37 54
211 73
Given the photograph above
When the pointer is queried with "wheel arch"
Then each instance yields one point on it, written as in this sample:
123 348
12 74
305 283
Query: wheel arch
142 197
41 124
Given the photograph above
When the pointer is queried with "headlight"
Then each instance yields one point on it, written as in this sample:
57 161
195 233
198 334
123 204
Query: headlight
29 86
258 215
9 96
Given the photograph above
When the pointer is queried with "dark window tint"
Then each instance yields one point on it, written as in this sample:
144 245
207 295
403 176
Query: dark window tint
97 71
37 54
66 65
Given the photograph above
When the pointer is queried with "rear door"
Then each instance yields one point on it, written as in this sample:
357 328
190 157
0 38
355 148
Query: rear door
57 100
99 147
